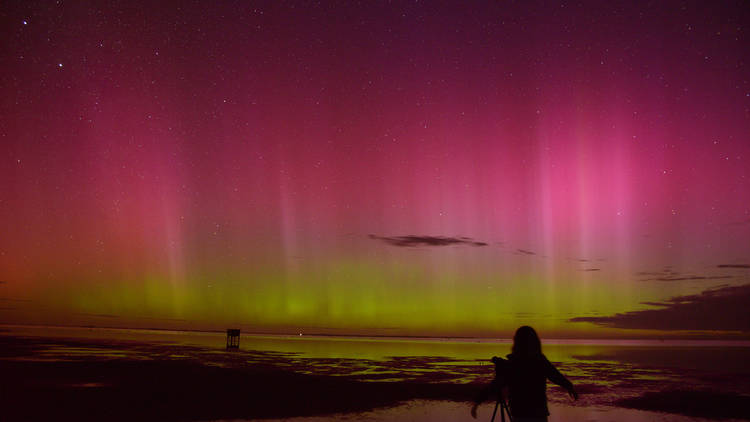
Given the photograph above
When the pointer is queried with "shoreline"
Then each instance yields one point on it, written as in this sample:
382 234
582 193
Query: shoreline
173 382
691 341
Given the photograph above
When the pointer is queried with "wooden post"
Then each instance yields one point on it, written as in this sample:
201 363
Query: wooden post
233 338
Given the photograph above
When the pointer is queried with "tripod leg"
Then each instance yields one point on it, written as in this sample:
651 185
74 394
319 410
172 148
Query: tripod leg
504 409
495 411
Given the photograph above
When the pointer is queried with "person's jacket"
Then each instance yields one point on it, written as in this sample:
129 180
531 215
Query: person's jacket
526 378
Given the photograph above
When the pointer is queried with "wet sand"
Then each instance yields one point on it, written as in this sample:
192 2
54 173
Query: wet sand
64 379
431 411
179 387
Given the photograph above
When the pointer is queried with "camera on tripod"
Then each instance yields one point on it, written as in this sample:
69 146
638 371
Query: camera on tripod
501 366
501 371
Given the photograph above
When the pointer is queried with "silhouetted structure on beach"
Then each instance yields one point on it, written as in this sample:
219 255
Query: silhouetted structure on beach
233 338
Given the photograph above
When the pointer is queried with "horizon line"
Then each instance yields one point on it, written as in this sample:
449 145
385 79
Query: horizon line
695 337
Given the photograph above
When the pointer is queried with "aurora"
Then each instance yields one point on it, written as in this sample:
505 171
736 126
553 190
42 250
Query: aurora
400 170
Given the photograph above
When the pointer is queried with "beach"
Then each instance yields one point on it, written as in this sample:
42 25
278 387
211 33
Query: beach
113 374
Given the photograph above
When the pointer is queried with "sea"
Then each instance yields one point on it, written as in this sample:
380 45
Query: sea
618 380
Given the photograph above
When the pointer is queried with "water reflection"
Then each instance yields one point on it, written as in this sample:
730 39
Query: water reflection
609 375
429 411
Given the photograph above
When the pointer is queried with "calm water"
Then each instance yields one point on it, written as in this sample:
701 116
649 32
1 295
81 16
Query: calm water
605 372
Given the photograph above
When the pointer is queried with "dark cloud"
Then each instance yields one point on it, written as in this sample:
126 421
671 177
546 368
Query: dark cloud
412 240
591 269
733 266
648 273
667 271
525 252
669 275
691 277
719 309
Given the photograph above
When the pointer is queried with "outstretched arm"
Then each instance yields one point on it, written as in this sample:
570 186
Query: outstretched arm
555 376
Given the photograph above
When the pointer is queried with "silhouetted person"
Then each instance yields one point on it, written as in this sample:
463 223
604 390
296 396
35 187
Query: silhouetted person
524 376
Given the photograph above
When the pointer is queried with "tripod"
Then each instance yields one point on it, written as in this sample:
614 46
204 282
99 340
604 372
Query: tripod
503 410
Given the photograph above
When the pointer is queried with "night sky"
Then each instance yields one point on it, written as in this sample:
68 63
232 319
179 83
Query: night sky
394 168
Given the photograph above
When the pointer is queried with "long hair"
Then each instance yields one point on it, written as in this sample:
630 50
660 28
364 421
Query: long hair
526 342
